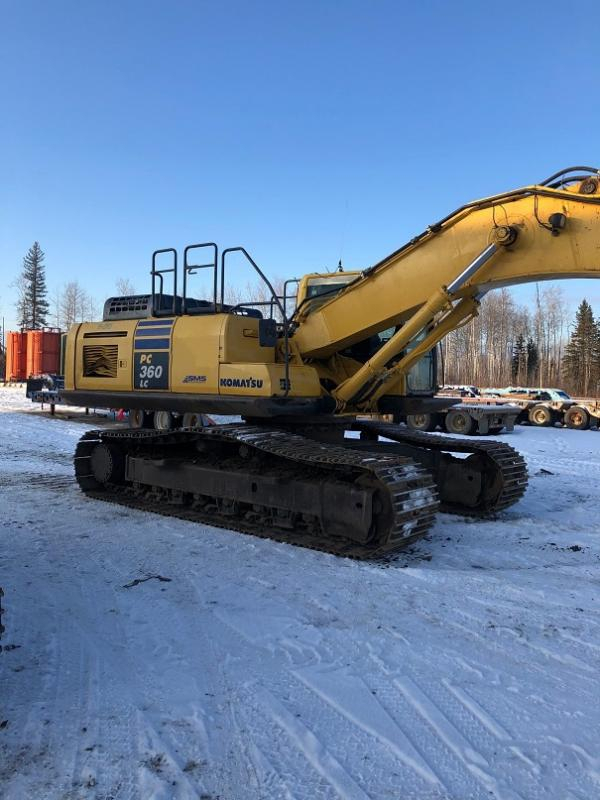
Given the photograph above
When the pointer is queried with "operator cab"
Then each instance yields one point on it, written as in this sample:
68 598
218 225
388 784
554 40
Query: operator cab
317 288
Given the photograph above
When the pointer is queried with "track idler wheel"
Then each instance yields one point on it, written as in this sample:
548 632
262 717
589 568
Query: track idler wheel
107 464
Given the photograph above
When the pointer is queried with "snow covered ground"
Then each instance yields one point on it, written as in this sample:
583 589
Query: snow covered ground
467 668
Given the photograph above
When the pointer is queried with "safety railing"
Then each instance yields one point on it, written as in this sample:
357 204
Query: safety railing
191 269
274 302
158 277
185 305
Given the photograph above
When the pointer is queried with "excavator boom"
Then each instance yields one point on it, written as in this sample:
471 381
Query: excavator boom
555 234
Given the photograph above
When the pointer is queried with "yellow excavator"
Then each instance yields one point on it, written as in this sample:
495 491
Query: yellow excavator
302 466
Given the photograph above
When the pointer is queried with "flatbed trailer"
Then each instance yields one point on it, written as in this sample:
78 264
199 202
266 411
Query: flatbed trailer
545 407
470 416
47 390
549 407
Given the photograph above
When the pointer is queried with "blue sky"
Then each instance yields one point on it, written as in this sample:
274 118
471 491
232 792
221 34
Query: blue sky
305 131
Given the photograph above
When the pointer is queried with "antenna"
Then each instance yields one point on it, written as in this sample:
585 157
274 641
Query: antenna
344 225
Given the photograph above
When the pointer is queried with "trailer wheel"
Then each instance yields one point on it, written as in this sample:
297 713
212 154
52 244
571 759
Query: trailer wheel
139 418
577 418
459 422
193 419
421 422
541 416
163 420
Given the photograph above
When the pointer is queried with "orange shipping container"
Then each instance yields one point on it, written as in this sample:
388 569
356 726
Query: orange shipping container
43 352
16 356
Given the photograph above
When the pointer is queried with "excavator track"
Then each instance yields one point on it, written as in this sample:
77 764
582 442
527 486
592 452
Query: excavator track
503 470
366 505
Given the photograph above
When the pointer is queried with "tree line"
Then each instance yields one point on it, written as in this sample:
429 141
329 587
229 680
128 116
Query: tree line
510 344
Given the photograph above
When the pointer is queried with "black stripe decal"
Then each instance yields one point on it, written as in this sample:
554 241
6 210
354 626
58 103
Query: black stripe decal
152 344
154 332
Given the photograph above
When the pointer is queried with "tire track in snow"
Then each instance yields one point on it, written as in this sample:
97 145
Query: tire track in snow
188 704
354 700
473 761
315 752
460 774
516 631
273 785
408 655
489 722
350 738
44 686
163 774
536 770
30 482
476 625
80 685
299 761
279 759
534 673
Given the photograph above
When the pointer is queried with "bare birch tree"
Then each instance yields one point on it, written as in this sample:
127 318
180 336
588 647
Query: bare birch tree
124 287
75 305
484 352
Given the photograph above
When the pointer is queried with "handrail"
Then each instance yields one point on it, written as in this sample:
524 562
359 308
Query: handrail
285 288
250 304
158 273
189 269
274 299
264 278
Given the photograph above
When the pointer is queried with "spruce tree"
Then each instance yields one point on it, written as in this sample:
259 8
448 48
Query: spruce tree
32 305
533 359
519 359
596 370
580 362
